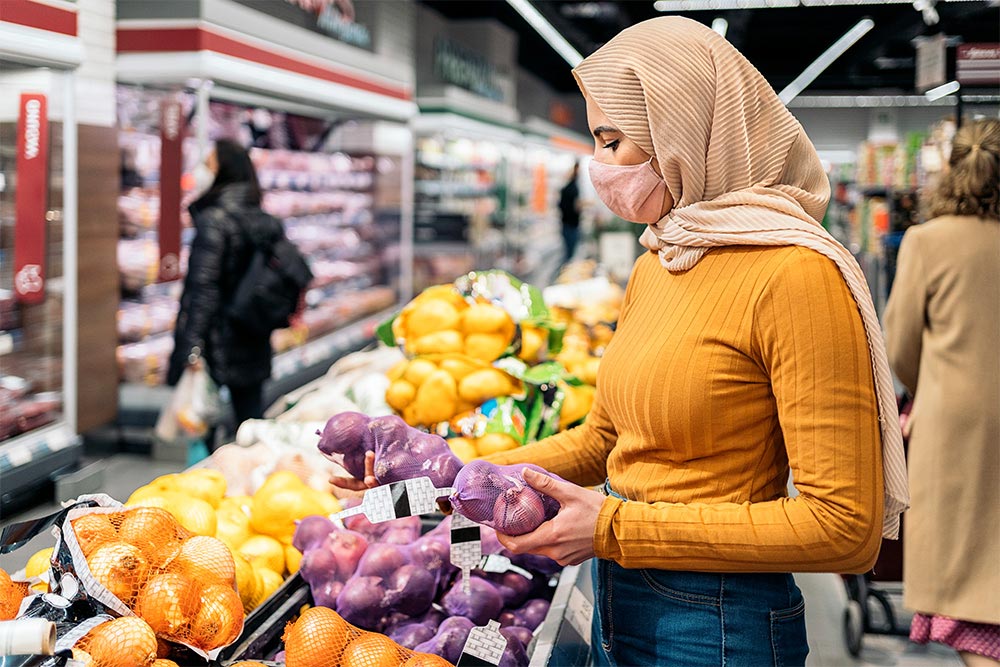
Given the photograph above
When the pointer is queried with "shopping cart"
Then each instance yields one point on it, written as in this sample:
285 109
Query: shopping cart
870 609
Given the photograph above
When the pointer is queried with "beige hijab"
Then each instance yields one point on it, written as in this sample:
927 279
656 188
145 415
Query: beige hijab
741 171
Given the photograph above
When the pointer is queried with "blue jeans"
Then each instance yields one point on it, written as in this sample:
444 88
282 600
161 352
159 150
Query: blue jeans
690 619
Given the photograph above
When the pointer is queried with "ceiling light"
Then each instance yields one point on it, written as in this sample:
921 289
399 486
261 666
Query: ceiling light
547 31
809 74
942 91
720 25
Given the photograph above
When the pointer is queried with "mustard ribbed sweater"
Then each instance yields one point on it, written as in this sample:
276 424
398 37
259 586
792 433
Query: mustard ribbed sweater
717 381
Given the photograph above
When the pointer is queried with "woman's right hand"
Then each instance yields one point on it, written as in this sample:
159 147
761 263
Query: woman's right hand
353 484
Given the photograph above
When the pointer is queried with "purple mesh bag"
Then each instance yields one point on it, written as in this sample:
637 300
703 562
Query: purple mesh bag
498 497
403 452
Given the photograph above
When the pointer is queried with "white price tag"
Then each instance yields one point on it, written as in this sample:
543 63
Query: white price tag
466 546
411 497
498 564
580 613
485 646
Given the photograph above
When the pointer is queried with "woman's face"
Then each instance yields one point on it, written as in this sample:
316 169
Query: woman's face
613 147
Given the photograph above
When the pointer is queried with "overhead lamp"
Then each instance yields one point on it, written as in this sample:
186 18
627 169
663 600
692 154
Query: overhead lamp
809 74
720 25
547 31
947 89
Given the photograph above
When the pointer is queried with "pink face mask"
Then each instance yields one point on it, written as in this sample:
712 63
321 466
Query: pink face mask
633 192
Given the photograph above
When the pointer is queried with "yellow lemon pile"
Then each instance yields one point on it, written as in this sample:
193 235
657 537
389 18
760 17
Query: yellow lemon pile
431 390
440 321
468 449
256 529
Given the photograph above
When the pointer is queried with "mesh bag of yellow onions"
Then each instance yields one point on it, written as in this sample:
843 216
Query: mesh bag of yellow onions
140 562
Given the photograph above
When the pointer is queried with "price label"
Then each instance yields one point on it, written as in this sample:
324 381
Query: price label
411 497
466 547
498 564
485 646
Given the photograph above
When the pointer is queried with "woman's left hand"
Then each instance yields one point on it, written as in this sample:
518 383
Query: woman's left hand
568 538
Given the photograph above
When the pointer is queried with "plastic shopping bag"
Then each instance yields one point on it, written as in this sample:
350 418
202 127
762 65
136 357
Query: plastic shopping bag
193 408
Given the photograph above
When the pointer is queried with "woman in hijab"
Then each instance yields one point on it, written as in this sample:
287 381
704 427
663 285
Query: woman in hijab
748 347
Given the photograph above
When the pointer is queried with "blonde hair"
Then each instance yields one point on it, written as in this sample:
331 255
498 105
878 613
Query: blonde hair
971 185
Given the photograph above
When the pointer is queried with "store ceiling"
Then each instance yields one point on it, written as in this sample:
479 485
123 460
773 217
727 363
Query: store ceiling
780 42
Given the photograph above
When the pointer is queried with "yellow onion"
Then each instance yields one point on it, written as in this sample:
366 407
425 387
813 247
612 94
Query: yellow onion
121 568
169 602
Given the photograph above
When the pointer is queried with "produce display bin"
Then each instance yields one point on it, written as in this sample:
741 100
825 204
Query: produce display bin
563 639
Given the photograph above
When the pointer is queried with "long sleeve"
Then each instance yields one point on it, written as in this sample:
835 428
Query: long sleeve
906 314
809 340
579 455
200 302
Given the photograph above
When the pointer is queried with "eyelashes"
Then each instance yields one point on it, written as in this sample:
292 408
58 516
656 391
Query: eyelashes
613 145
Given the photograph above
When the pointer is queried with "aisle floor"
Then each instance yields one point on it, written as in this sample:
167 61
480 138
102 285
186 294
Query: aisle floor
824 593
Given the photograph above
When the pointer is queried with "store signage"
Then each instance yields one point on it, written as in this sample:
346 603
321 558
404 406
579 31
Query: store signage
169 229
931 62
339 19
466 69
978 64
31 198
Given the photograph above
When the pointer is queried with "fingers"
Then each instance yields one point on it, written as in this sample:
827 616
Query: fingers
348 483
561 491
535 542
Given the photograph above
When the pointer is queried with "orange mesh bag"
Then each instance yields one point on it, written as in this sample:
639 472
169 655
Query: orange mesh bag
321 638
122 642
143 562
11 594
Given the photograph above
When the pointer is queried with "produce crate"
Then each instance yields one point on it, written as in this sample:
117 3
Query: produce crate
263 628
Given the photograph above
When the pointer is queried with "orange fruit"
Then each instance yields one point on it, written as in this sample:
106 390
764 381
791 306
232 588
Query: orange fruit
169 603
93 530
124 642
220 619
317 639
371 650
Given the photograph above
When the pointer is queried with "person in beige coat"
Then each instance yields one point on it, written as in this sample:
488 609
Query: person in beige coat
943 337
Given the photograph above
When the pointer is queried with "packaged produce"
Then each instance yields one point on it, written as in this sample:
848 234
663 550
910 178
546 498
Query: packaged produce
498 497
142 564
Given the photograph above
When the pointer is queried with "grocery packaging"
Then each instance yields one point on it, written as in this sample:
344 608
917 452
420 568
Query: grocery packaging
498 497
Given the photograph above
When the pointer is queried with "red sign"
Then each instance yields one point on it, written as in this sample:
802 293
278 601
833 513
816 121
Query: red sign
978 64
31 198
171 145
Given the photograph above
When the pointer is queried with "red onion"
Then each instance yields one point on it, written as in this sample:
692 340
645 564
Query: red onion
348 548
481 604
381 560
362 602
311 531
518 510
410 590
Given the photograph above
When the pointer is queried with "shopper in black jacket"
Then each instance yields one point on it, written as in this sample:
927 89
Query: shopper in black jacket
228 221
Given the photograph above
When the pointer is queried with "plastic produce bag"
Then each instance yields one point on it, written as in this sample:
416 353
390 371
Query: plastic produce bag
193 408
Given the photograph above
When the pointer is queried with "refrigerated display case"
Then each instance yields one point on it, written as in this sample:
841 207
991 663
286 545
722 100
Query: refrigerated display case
37 277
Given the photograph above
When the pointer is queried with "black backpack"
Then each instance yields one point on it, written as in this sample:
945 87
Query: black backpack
269 292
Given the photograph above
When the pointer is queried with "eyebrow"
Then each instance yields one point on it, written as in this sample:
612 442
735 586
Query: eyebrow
604 129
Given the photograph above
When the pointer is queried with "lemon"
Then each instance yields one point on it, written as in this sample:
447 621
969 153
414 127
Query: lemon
144 492
293 559
264 551
38 565
418 371
275 514
268 581
463 448
204 484
246 579
195 515
491 443
241 503
327 503
232 526
278 481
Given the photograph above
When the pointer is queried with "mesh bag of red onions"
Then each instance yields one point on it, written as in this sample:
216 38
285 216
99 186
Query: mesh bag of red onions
498 497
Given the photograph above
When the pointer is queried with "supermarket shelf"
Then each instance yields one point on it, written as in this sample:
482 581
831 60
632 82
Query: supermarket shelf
139 405
30 462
